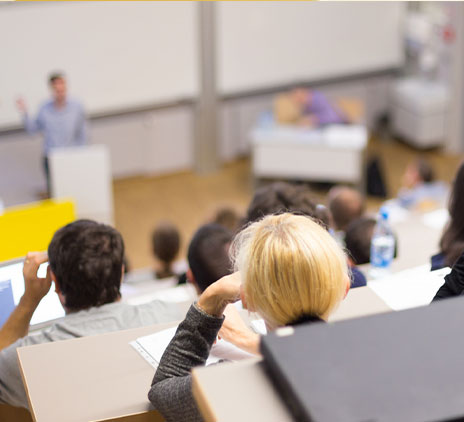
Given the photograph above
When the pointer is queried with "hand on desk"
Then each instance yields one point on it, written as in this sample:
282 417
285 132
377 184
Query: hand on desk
235 331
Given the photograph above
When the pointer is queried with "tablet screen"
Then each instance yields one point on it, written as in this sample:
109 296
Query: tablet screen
12 288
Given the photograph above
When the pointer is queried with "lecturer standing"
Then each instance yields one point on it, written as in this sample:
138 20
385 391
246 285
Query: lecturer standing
60 119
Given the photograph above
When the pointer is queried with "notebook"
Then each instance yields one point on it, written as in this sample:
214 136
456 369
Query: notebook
152 347
398 366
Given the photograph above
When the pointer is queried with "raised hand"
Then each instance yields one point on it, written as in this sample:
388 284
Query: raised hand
35 288
217 296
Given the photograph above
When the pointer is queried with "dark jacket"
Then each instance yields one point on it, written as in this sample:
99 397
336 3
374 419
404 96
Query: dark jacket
454 281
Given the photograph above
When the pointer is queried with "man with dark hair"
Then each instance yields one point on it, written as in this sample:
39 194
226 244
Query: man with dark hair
358 239
208 255
165 242
346 204
60 119
86 266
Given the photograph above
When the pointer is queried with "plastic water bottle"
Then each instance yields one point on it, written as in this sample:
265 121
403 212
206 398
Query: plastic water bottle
382 246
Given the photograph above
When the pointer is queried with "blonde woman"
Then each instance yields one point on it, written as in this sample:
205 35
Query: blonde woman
289 270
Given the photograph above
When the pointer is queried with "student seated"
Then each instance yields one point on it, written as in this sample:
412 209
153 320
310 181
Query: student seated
86 265
208 256
289 270
452 240
281 197
346 205
358 239
420 189
165 243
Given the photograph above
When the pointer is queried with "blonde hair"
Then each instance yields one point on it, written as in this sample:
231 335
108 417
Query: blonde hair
290 266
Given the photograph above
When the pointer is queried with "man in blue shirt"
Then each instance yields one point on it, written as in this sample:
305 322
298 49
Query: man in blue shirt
60 119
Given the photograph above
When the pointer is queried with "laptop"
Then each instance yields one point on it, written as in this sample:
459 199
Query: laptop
399 366
12 288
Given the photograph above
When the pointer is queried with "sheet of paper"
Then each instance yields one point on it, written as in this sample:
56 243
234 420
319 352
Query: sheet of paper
436 219
409 288
152 347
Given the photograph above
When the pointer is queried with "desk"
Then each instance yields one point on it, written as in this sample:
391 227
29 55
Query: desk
101 378
359 302
255 400
106 374
334 153
256 393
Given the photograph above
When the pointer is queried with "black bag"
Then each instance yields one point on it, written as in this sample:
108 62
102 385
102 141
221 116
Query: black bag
375 181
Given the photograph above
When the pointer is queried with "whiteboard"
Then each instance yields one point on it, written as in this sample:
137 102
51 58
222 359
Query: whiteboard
117 55
264 44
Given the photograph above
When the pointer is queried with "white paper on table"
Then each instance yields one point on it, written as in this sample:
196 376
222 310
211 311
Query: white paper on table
259 326
152 347
436 219
409 288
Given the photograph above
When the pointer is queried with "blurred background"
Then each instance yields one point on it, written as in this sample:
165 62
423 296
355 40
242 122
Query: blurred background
180 103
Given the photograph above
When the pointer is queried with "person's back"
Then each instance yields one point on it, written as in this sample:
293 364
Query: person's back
86 263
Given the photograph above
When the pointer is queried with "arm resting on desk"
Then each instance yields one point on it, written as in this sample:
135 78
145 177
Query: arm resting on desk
171 390
454 282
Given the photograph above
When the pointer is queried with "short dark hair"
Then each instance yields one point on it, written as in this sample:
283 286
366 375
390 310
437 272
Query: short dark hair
208 254
280 197
346 205
358 238
86 258
165 242
425 170
229 218
54 77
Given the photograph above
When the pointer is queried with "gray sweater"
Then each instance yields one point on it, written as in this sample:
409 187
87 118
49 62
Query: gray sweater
171 388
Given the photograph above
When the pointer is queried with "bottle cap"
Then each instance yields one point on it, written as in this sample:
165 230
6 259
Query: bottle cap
384 213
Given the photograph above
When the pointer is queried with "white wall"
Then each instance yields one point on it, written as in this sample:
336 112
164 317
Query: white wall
264 44
117 55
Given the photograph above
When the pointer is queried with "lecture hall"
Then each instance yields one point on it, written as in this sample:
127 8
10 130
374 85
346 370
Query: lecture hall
228 211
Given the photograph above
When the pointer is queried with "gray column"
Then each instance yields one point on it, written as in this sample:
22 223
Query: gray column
206 111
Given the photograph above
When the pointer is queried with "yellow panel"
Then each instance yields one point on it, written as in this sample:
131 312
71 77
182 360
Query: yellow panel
31 227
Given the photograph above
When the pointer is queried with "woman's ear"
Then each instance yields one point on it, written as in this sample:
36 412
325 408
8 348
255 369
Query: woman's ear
244 300
347 287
